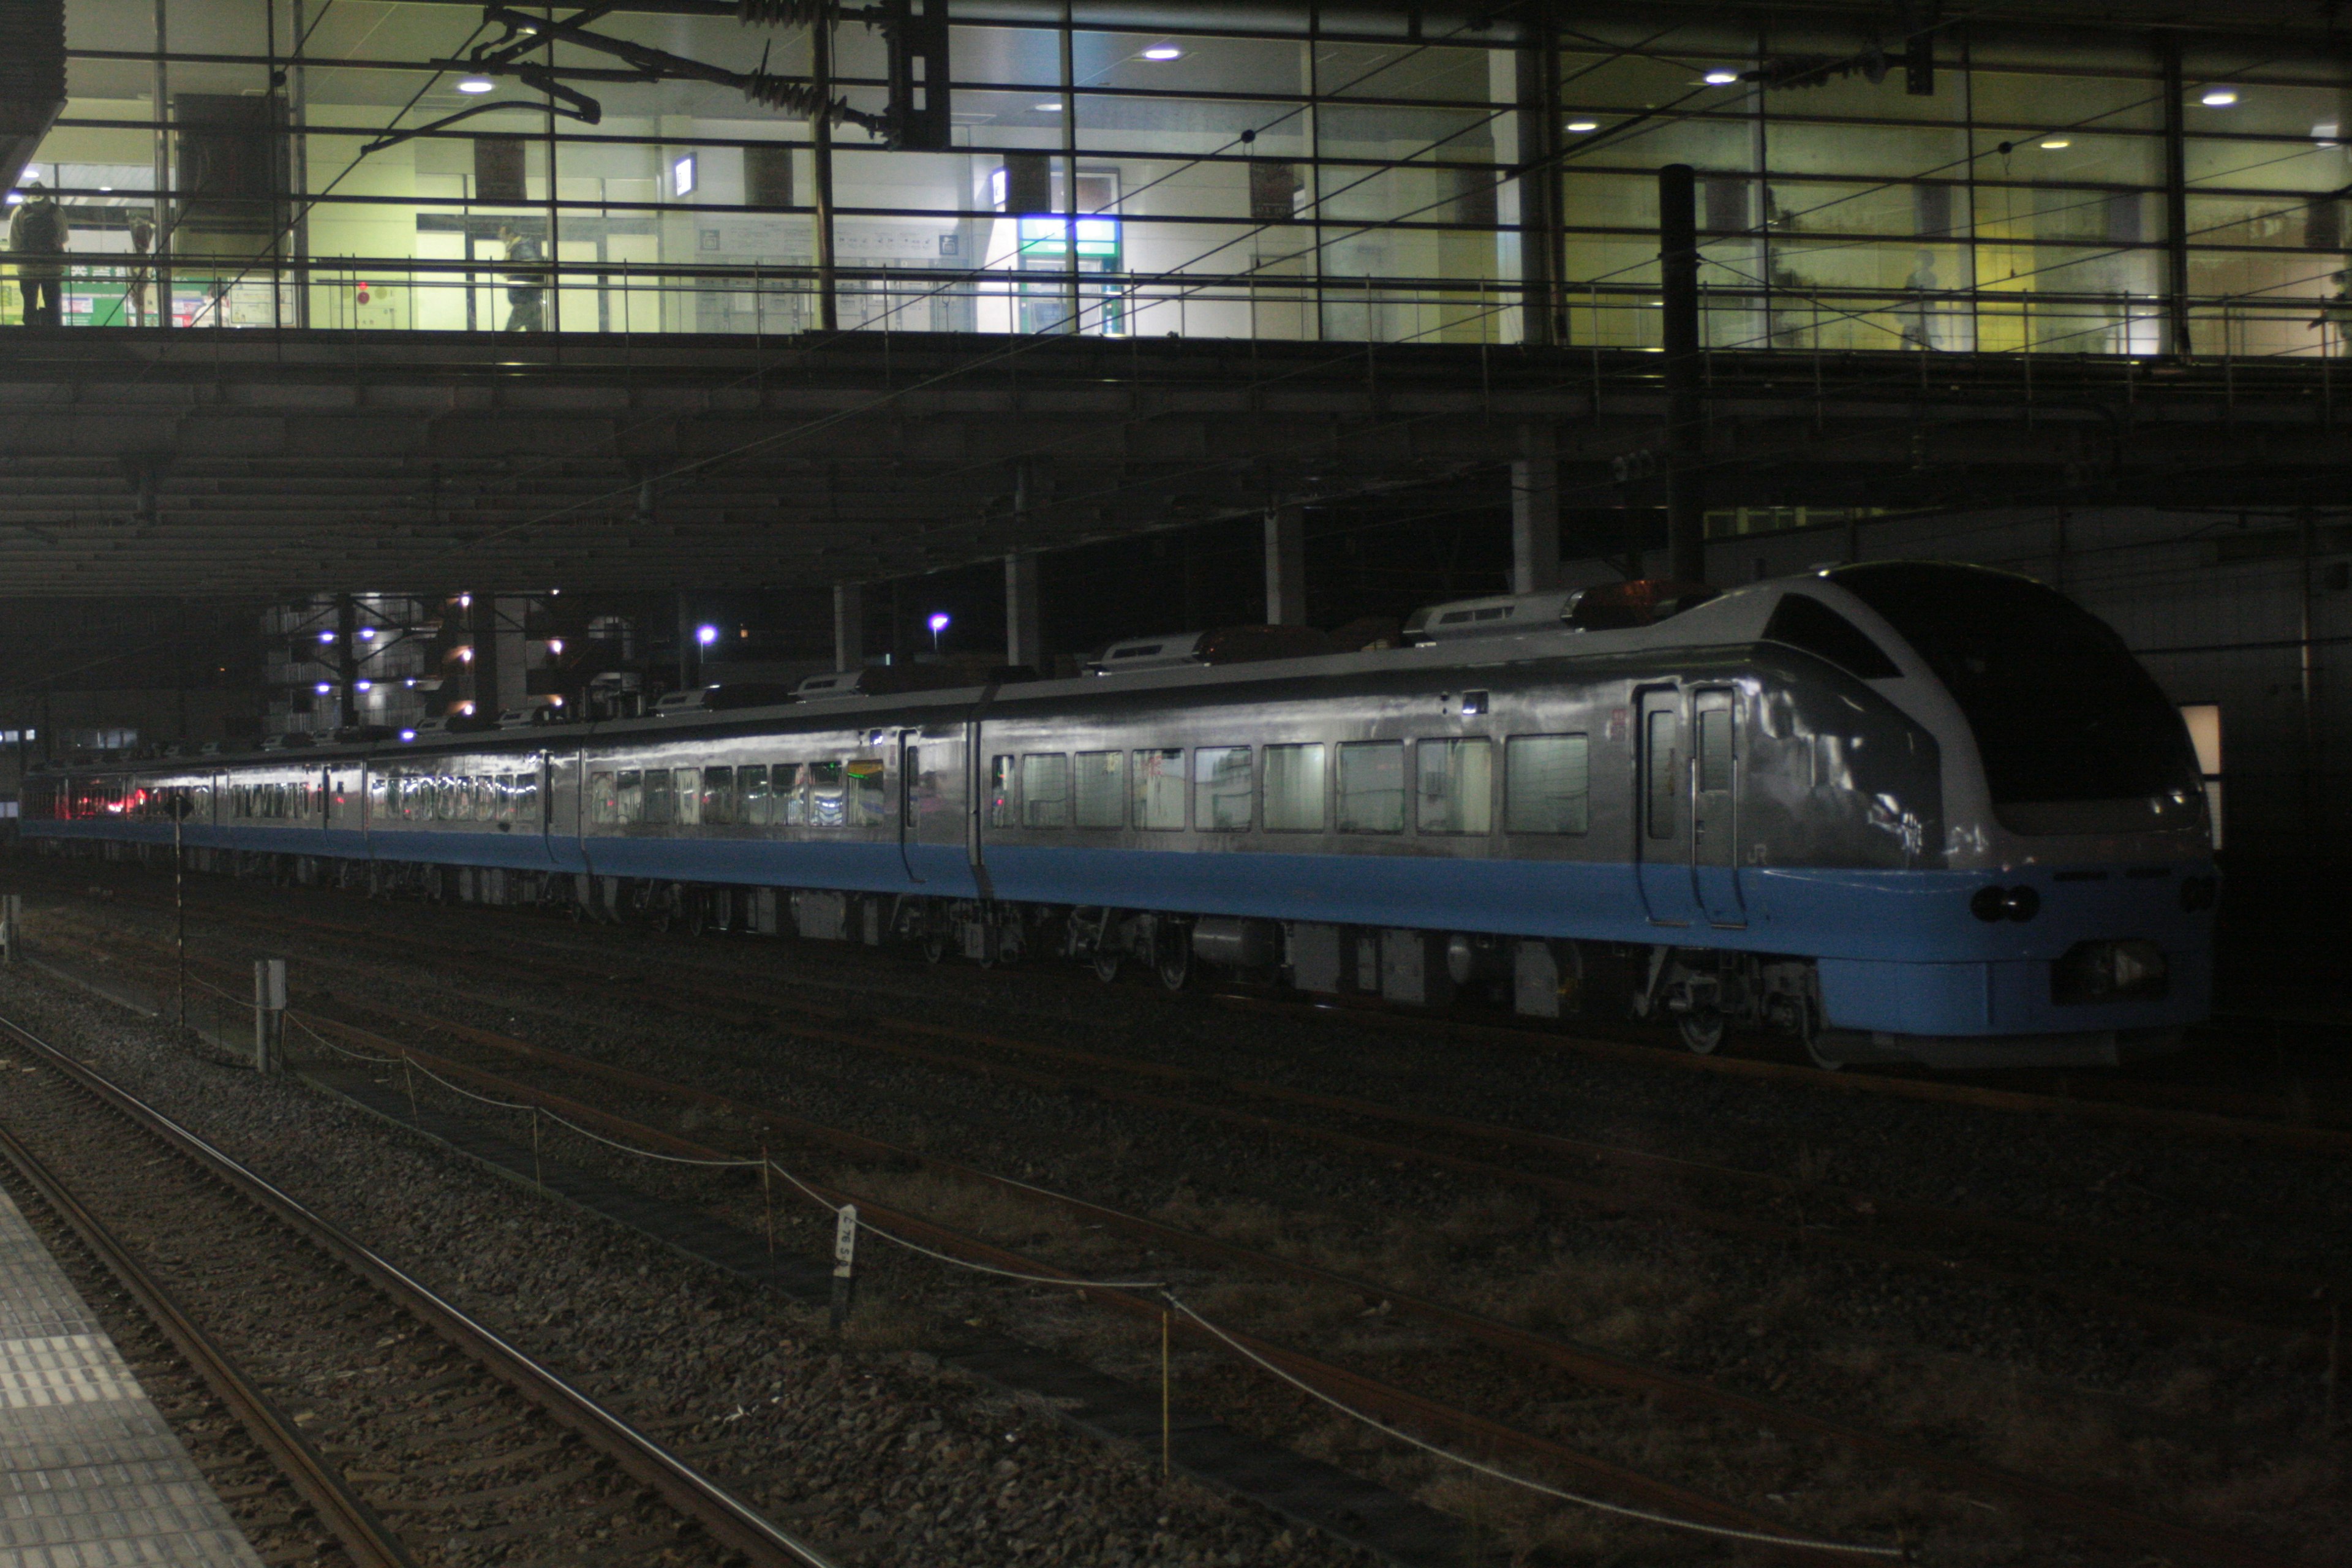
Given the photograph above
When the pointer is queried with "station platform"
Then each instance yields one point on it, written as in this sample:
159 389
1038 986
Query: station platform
90 1475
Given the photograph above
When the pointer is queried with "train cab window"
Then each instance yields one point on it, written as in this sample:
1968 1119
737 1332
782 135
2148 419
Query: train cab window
1100 783
1662 771
603 801
1294 789
1045 790
719 797
1221 789
1371 786
688 793
754 807
1159 782
1547 783
827 804
631 786
869 797
1001 810
1455 783
1804 622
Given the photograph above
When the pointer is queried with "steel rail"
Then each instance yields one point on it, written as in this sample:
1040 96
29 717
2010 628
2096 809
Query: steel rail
1358 1388
2300 1290
363 1535
2153 1533
2108 1109
1593 1367
726 1518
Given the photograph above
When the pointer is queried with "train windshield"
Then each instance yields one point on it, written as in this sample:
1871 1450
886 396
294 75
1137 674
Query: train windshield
2062 710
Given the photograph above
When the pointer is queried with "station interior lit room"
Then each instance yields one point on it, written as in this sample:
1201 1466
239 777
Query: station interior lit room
1175 781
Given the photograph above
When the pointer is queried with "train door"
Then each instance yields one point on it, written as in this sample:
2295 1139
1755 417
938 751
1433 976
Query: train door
914 799
1715 804
1662 823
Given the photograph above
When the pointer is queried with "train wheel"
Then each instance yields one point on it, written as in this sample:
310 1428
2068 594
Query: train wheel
1171 956
1816 1037
1702 1029
935 946
1106 963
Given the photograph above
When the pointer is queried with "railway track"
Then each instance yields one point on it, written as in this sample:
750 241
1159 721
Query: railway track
449 1428
2285 1304
2301 1122
720 995
1533 1349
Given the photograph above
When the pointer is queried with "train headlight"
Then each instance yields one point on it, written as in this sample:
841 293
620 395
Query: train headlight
2109 971
2019 903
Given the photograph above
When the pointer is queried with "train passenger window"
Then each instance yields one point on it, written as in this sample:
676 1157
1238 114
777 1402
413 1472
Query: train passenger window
1101 789
788 783
1547 783
754 807
688 796
719 797
1000 793
1664 773
1454 781
827 808
631 787
661 797
1160 789
1371 786
1221 789
1045 790
1715 750
526 800
485 793
1294 789
603 801
869 799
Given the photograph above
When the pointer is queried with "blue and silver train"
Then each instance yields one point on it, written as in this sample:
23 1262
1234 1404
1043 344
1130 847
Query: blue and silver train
1898 810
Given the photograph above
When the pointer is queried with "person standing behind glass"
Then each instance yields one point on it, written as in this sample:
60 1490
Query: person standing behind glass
37 236
1919 329
526 291
142 240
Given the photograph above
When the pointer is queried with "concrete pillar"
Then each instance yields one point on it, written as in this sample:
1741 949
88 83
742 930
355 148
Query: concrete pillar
1286 565
1534 515
482 636
1678 272
848 624
1023 644
347 662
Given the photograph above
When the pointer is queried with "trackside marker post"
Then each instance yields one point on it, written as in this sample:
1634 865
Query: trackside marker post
268 1013
11 915
845 1263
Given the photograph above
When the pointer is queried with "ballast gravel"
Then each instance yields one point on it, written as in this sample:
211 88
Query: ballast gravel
878 1457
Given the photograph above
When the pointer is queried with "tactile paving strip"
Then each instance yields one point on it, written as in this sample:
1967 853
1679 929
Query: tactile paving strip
91 1476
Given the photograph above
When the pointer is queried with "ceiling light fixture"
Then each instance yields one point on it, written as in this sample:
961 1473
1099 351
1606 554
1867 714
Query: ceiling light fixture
1721 78
1053 108
1581 126
1163 52
2055 142
2219 97
476 84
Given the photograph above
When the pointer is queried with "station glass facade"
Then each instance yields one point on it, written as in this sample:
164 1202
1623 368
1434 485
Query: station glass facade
1395 174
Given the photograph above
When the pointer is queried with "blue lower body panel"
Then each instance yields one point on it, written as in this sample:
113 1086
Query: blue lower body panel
1900 951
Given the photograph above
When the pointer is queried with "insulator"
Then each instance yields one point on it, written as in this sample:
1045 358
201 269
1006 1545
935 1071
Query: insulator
797 96
780 13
